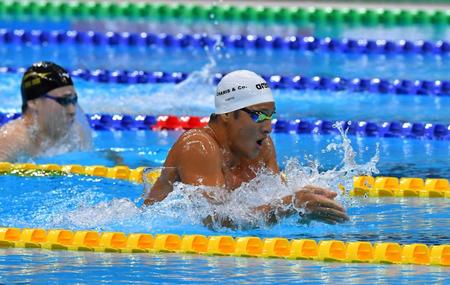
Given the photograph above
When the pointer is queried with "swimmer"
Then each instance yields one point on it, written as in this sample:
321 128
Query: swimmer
51 121
233 147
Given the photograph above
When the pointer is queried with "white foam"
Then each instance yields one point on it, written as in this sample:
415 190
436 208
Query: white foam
187 205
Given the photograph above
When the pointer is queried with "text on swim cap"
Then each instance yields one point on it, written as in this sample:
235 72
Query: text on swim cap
226 91
262 86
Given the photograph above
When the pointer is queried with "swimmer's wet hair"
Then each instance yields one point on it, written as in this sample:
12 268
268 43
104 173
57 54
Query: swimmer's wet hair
213 118
41 78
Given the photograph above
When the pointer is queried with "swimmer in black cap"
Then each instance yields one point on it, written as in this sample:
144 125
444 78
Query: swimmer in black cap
51 120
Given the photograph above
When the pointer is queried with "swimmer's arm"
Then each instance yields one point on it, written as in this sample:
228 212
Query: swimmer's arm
310 203
196 162
8 146
315 204
3 155
273 212
162 187
3 150
270 212
114 156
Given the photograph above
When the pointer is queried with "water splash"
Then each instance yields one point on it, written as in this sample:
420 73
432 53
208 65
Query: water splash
193 96
29 141
199 88
187 205
114 212
185 208
77 138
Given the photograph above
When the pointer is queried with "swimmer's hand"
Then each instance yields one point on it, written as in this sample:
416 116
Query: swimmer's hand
114 156
318 205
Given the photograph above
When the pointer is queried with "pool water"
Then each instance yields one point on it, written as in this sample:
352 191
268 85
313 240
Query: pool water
43 267
398 157
388 32
197 100
265 61
101 204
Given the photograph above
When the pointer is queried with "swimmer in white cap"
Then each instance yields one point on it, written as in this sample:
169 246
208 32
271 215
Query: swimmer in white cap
233 147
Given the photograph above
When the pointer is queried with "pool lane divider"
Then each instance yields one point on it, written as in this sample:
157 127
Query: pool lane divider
408 130
296 249
297 82
296 43
237 14
400 187
121 172
366 186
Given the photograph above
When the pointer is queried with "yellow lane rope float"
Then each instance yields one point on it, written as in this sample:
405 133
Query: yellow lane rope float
117 172
403 187
326 250
362 185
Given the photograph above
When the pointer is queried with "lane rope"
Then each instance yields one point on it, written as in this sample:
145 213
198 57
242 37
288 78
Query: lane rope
409 130
308 43
325 250
367 186
296 82
229 13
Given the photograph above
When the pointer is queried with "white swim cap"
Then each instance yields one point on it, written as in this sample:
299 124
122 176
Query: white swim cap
240 89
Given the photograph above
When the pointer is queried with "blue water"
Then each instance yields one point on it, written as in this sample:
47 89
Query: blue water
78 202
398 157
408 32
198 100
266 61
43 267
55 202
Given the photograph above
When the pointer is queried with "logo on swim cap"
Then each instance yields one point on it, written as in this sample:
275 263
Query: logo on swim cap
240 89
262 85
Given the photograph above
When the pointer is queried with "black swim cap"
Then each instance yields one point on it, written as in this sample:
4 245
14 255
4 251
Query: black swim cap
41 78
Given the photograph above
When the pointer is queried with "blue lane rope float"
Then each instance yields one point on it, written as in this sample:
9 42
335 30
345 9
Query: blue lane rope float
373 85
229 41
107 122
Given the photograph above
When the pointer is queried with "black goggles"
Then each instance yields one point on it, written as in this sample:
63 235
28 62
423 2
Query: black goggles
64 101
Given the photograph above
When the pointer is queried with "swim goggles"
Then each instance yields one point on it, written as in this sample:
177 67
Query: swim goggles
258 116
64 101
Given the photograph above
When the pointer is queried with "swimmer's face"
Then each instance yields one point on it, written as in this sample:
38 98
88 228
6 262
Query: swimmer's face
247 137
54 117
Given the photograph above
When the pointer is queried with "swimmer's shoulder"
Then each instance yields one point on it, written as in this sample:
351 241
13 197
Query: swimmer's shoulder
13 130
14 140
198 140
